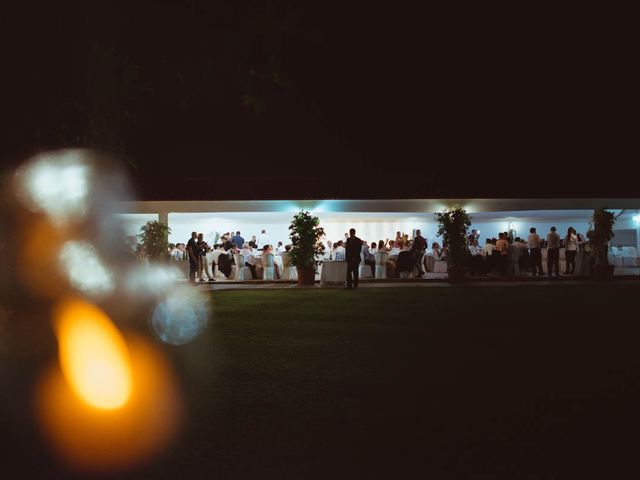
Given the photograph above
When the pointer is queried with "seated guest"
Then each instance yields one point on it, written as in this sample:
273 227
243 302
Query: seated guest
368 257
249 259
223 260
267 250
436 251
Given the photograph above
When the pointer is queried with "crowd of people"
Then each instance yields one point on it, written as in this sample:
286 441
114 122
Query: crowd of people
507 255
504 255
223 254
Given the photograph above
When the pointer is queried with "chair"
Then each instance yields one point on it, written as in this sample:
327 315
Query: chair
440 266
630 257
268 267
422 264
364 270
240 271
405 264
289 272
381 264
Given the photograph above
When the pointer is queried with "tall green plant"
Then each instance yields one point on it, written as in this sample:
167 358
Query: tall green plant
600 233
155 238
452 227
306 240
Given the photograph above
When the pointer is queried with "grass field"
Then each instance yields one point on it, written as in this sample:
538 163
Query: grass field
528 382
411 382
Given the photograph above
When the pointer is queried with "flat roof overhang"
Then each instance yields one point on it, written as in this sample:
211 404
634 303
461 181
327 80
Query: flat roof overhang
473 205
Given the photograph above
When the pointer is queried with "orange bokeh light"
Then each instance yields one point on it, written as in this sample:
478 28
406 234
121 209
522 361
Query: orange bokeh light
93 355
83 431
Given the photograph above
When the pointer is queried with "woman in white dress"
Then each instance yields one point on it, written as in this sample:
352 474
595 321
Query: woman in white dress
570 250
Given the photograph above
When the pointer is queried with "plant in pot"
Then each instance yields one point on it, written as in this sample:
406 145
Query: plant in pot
154 237
599 234
306 245
452 227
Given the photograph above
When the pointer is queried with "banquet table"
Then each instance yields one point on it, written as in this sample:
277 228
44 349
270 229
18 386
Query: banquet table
333 272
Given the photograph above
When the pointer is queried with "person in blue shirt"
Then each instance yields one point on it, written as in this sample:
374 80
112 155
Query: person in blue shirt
238 240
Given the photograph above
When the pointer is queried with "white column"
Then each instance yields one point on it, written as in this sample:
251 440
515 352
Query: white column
163 216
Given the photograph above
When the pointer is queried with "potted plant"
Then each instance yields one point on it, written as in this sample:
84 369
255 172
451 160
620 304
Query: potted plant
154 237
452 227
306 244
599 235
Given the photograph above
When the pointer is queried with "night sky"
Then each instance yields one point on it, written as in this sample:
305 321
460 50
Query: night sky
266 99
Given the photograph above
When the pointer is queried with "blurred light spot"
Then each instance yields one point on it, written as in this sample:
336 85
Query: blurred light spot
81 263
152 279
181 317
95 440
39 258
93 355
57 184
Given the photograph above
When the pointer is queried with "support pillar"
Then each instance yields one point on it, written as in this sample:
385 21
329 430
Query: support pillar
163 216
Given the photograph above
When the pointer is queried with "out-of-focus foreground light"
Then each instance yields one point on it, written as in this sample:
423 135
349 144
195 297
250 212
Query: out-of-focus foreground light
87 436
82 265
181 317
93 355
153 280
636 219
56 184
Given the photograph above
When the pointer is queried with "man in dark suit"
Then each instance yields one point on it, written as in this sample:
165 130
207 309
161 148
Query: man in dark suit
418 248
352 254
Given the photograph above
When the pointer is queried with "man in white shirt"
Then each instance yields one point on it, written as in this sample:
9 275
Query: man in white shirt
249 259
263 240
533 242
280 248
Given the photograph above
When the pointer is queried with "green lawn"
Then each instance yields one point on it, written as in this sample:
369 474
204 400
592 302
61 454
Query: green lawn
526 382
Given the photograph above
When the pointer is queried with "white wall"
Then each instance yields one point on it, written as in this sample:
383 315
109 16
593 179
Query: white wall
132 222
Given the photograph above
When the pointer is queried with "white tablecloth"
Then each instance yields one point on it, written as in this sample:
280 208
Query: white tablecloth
333 272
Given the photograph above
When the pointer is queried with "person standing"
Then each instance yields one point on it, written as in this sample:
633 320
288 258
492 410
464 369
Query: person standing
419 246
570 250
352 254
553 252
502 247
263 240
238 240
193 252
535 253
203 264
